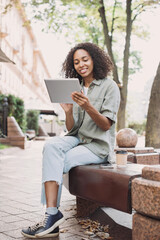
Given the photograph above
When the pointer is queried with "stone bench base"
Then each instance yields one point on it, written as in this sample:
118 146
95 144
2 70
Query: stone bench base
145 228
96 187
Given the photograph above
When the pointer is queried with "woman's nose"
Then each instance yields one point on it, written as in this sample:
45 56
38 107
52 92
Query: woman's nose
81 63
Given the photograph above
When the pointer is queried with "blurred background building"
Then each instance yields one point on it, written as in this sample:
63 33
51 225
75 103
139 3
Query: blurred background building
25 78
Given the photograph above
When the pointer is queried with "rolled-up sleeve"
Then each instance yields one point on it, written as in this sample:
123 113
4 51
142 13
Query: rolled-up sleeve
111 102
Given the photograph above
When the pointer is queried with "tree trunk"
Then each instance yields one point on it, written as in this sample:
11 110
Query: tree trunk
107 39
153 116
124 89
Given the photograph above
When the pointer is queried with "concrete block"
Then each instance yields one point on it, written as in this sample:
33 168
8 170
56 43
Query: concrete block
138 150
146 197
13 128
151 173
145 228
4 141
131 157
18 141
147 158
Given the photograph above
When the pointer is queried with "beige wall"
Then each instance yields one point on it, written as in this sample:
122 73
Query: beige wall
25 79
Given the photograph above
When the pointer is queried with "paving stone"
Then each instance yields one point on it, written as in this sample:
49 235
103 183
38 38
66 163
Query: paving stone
151 173
24 223
14 233
20 184
30 216
77 231
69 222
145 228
5 226
5 237
146 197
13 211
3 214
11 219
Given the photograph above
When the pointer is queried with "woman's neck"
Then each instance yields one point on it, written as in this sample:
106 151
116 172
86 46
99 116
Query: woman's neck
87 82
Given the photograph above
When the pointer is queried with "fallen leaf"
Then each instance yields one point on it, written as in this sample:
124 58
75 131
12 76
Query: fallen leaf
88 233
63 230
102 235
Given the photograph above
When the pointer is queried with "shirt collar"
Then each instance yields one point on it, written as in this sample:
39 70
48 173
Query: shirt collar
96 82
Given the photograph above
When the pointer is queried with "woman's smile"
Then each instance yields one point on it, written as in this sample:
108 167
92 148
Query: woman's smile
83 70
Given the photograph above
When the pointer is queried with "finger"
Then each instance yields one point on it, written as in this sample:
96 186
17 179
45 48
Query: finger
78 94
80 97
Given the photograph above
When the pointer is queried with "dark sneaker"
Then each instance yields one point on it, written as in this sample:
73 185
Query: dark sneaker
31 231
50 222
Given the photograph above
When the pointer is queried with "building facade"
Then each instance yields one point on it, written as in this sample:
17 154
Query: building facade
25 78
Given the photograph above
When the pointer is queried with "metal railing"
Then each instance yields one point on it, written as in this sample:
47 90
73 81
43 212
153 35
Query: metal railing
3 117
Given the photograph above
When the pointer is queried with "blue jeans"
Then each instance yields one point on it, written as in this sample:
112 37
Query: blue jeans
60 154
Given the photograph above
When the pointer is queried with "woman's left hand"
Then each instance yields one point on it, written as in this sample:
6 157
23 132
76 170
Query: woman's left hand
103 122
81 99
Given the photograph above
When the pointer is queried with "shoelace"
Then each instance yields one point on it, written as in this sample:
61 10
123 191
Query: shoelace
36 226
40 224
45 219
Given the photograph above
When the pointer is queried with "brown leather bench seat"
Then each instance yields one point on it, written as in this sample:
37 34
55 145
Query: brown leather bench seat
104 187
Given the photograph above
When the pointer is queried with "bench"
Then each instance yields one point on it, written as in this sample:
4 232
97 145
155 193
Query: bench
95 187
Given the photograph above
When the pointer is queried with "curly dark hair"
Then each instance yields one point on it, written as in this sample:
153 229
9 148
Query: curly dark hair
102 64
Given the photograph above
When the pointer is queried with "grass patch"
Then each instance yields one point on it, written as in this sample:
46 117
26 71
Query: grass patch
3 146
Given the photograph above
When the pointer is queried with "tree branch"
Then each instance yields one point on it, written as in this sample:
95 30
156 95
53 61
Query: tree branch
113 19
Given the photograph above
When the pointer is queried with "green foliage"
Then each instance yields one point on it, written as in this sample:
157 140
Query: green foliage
3 146
138 127
2 96
15 109
32 120
135 62
80 21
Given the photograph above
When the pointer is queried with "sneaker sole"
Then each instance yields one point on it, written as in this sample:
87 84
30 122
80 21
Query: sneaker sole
51 228
46 236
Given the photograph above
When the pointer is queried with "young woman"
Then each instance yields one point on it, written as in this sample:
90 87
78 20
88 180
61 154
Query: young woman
91 130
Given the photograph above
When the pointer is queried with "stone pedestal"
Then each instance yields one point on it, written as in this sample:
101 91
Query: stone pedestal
145 228
151 173
146 197
146 201
143 155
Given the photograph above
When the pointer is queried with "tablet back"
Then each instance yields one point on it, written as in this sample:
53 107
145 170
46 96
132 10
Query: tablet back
60 90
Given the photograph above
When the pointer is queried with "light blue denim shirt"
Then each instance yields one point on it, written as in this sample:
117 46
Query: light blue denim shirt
105 97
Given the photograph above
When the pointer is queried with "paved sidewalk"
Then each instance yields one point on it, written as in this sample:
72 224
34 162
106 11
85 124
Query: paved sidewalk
20 189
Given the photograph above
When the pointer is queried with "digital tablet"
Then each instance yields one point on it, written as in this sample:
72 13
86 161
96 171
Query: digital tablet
60 90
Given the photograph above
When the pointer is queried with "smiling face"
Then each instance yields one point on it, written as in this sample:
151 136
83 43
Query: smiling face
83 65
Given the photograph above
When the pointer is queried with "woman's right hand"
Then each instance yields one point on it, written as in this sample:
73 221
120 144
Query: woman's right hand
67 107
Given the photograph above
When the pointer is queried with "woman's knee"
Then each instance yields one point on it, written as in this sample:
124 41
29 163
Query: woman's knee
51 143
69 163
